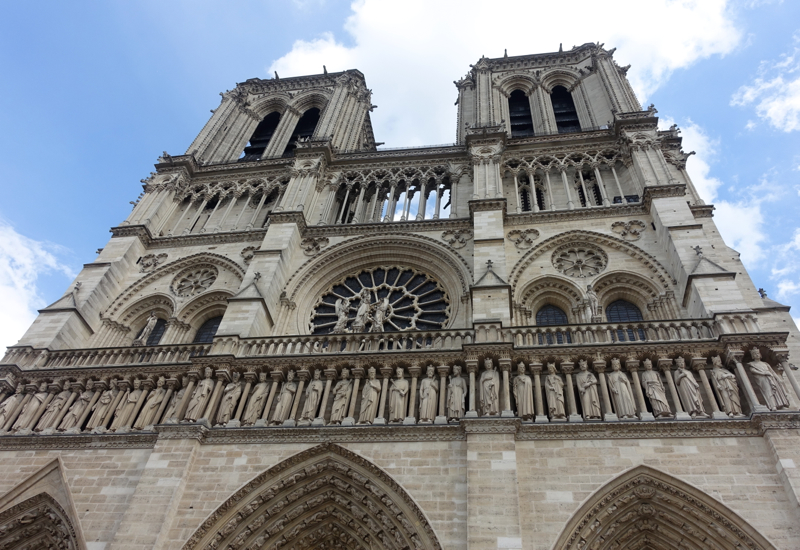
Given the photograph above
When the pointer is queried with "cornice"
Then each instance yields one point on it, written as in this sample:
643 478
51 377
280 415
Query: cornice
702 210
144 440
654 192
596 137
391 227
424 154
334 434
545 60
141 231
614 211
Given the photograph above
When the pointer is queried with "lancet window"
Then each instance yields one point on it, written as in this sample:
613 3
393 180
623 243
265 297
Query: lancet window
519 111
205 334
261 138
564 110
303 130
622 311
156 332
548 316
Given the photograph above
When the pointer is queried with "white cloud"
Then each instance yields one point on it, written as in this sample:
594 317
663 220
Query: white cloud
775 92
411 51
22 261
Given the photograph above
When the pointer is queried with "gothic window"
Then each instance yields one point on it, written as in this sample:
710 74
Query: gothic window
564 111
261 137
205 334
540 198
581 196
155 334
303 130
549 316
622 311
525 194
519 110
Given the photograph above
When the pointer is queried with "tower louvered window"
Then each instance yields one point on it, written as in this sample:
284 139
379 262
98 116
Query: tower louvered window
564 111
519 110
303 130
261 137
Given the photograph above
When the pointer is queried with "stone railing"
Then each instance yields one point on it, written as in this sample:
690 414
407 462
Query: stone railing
27 357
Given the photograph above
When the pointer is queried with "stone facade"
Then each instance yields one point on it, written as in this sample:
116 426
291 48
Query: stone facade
534 338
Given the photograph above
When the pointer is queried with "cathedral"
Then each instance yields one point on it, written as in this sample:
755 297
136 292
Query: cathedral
534 338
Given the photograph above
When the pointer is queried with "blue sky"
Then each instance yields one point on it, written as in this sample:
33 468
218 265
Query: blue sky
93 92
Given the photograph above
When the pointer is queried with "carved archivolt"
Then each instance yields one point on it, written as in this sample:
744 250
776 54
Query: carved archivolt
324 497
645 508
38 522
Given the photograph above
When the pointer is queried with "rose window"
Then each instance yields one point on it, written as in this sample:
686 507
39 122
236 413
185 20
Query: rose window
194 281
580 260
383 299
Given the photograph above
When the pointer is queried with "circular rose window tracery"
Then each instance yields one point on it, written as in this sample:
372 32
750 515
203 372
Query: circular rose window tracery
579 260
193 281
383 299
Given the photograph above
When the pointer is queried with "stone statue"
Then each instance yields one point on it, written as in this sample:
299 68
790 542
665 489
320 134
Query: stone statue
654 390
456 392
52 410
126 406
587 388
7 407
362 313
768 382
100 409
369 397
313 397
381 312
75 412
489 385
341 398
285 399
554 388
230 398
523 393
592 304
28 413
621 393
147 416
253 410
688 389
342 309
398 397
199 399
148 328
727 386
428 391
175 400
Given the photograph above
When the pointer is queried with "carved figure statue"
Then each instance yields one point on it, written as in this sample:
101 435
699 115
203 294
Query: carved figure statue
313 397
592 303
489 385
587 388
768 382
100 409
230 397
380 314
342 309
285 399
175 400
654 390
523 393
428 391
362 313
341 397
398 397
456 392
369 397
253 410
621 393
688 389
727 386
147 416
52 410
126 406
75 411
199 399
147 330
28 413
7 407
554 388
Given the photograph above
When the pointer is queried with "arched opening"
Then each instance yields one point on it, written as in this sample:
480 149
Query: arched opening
519 114
155 333
324 497
548 316
205 334
564 111
303 130
525 194
38 522
622 311
647 509
261 137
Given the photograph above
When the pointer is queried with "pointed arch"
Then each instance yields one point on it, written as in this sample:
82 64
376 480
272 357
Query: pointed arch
644 508
560 77
313 497
552 290
509 83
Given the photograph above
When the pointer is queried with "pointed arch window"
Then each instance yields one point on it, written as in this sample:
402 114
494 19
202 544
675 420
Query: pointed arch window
564 111
155 335
205 334
303 130
622 311
261 137
549 316
519 113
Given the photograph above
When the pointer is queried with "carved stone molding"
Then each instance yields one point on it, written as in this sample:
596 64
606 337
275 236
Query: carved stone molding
38 522
523 238
151 261
248 253
312 245
457 238
630 231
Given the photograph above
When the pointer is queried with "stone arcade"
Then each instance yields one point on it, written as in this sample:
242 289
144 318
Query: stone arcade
534 338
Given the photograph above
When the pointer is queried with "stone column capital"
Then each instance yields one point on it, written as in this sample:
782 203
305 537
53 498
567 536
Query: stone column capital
250 377
699 363
472 365
357 372
567 367
665 364
599 366
632 365
415 371
504 363
443 370
387 372
330 374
